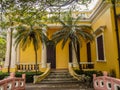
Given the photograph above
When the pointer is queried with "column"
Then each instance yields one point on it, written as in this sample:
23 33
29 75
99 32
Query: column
6 63
18 55
74 58
44 56
13 53
44 52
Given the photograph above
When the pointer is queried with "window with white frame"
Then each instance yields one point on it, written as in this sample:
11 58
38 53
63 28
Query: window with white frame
100 48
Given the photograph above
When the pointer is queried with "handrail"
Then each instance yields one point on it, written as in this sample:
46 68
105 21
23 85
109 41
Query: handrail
13 83
86 62
74 74
42 76
105 82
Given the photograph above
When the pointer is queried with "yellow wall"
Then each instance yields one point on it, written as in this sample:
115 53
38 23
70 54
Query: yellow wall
110 46
62 56
83 52
28 56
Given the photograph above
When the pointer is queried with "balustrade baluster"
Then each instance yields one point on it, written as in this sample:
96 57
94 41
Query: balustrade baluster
31 67
18 67
28 67
34 67
21 67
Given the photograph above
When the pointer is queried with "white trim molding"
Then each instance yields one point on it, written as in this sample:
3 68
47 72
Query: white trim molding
100 30
103 48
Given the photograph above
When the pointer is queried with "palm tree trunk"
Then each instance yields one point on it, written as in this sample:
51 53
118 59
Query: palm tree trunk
36 67
10 50
75 48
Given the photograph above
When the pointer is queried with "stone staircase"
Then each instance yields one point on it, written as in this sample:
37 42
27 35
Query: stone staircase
59 76
59 80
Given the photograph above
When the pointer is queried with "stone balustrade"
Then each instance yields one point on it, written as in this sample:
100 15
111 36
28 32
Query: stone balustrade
87 65
27 67
105 82
13 83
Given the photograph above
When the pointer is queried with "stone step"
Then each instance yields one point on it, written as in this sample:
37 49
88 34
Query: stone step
59 76
59 70
63 86
61 79
54 82
51 74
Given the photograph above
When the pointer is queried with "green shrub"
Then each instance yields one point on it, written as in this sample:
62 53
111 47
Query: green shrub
29 75
79 72
88 79
3 75
89 73
112 73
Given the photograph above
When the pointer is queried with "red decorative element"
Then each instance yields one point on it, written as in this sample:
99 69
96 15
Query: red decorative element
105 82
13 83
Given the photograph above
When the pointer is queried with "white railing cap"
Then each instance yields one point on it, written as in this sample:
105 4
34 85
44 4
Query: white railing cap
86 62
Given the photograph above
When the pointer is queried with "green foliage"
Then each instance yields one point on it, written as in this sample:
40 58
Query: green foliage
31 35
112 73
89 73
2 47
29 75
3 75
88 78
71 30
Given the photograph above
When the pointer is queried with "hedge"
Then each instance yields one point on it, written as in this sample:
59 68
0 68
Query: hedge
29 75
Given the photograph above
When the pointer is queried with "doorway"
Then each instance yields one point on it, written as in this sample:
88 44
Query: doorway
88 52
89 55
51 54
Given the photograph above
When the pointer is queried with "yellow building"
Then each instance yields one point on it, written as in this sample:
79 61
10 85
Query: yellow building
101 54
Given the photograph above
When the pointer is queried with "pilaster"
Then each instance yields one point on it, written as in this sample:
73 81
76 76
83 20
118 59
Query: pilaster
44 52
74 58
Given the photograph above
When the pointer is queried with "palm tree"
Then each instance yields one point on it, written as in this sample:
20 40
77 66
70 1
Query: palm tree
73 32
30 35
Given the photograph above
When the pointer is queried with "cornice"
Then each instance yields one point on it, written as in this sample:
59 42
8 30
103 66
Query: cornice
101 10
98 11
99 30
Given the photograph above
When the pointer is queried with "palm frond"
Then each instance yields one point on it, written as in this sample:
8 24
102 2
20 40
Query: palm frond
72 31
65 40
77 20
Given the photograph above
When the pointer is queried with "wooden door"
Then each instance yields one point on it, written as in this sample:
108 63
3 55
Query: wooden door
51 54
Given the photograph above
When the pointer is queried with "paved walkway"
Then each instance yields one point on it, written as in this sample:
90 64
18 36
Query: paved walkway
72 86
